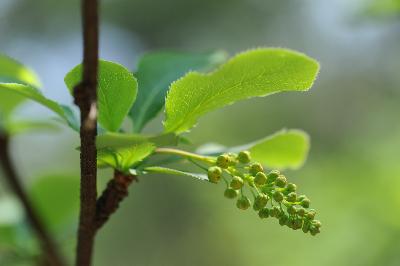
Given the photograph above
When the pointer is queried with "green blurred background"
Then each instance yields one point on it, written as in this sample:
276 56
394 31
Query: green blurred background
352 114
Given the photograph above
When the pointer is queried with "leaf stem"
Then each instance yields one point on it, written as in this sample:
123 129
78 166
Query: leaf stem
185 154
51 254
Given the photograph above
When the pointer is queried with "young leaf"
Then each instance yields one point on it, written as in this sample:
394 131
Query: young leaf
124 158
254 73
33 94
116 92
285 149
11 71
164 170
156 71
56 198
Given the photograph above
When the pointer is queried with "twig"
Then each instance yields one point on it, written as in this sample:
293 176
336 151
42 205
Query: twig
85 96
115 192
51 254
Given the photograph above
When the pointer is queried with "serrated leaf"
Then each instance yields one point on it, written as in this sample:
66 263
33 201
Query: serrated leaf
56 198
117 89
254 73
285 149
124 158
156 71
170 171
12 71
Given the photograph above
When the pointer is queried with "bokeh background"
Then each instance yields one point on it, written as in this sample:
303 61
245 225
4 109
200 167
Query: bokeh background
352 114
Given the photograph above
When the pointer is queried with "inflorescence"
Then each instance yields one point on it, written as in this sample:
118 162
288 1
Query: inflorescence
273 195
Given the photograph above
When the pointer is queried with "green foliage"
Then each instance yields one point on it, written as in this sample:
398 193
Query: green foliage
123 159
25 126
156 71
285 149
259 72
383 7
117 89
56 197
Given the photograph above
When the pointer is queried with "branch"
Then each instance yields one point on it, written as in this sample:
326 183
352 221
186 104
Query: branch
85 97
115 192
51 254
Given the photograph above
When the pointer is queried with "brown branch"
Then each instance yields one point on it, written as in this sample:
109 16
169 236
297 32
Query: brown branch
51 254
115 192
85 96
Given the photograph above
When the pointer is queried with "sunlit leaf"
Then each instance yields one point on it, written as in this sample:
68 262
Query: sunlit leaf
156 71
254 73
120 140
116 92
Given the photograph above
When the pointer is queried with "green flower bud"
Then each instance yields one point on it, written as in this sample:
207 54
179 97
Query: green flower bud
305 227
244 157
260 202
278 196
275 211
236 182
273 175
301 212
291 210
305 203
291 197
223 161
310 214
263 213
314 230
260 179
243 203
214 174
301 197
249 180
230 193
316 223
255 168
280 181
283 219
297 224
291 187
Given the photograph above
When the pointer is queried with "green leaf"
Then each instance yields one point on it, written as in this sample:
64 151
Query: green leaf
124 158
156 71
24 126
116 92
164 170
254 73
33 94
120 140
284 149
12 71
56 197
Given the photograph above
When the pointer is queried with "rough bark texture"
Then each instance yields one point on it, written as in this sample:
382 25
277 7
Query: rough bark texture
85 95
51 256
115 192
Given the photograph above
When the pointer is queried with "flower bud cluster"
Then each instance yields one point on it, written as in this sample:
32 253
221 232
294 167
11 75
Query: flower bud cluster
274 196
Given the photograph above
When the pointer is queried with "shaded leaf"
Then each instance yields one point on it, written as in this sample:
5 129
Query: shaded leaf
124 158
156 71
170 171
116 92
120 140
25 126
12 71
259 72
